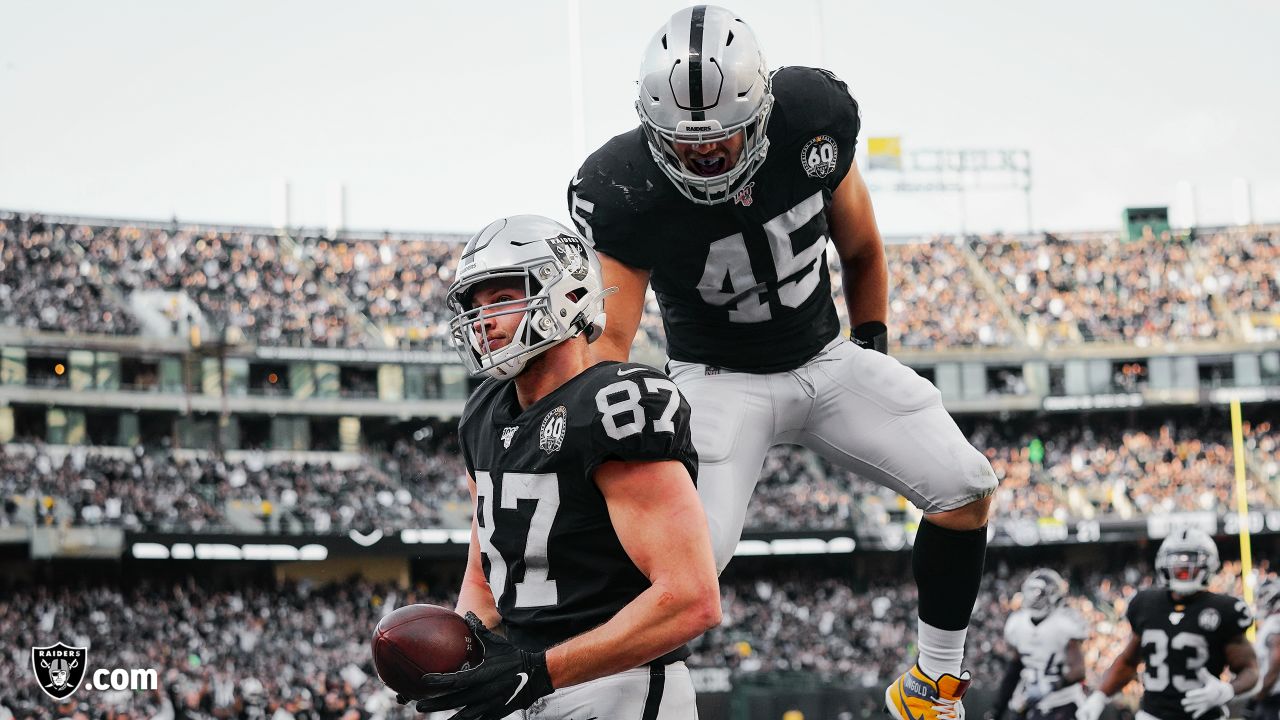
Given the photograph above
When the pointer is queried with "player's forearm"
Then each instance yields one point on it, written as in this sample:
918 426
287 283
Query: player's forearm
1120 674
659 620
478 598
1245 680
866 287
475 595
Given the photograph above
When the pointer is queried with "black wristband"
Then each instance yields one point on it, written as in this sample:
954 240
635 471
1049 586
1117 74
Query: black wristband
871 335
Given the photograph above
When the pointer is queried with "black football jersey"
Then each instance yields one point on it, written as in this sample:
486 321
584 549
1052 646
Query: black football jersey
1179 638
550 553
744 284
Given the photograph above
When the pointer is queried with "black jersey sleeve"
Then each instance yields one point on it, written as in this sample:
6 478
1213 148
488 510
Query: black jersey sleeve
813 103
607 198
1237 616
639 415
1134 613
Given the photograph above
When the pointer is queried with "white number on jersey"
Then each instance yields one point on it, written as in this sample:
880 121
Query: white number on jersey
536 590
1157 674
630 409
729 265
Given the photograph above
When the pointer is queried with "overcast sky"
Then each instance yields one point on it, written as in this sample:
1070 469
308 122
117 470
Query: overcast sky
442 116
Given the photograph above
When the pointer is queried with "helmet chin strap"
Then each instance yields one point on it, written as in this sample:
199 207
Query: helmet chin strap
593 326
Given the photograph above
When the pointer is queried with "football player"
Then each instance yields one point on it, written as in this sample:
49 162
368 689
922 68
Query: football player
1266 705
1183 635
724 199
589 546
1044 680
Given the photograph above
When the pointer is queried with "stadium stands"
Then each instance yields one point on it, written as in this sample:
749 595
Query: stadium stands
990 291
1106 468
206 642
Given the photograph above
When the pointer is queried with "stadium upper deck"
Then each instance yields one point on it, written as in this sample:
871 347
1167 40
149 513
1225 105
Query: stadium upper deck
361 291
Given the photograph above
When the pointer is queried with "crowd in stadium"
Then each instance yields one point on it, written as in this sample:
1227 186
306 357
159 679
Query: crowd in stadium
1062 470
1104 290
345 293
399 284
157 492
304 648
45 284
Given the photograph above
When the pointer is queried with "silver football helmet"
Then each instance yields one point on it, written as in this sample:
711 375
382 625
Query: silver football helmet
1267 600
703 79
562 285
1042 591
1186 560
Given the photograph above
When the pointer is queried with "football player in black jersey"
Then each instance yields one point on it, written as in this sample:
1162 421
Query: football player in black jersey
589 546
1183 635
724 200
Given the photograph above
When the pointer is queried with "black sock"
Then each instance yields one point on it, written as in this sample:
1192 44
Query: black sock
947 565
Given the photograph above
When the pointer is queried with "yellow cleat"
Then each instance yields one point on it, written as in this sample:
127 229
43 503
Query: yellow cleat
916 696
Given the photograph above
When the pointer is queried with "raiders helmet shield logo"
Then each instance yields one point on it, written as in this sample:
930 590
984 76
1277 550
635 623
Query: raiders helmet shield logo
819 156
572 255
551 437
1209 619
59 668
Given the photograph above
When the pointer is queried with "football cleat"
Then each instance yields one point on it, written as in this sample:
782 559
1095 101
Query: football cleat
916 696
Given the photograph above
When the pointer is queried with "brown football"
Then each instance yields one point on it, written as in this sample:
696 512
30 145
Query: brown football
418 639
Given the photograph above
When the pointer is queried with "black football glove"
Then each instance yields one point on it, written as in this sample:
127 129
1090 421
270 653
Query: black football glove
506 680
872 336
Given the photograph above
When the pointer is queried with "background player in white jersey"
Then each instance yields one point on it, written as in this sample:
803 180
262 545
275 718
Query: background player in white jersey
1183 636
1266 704
724 199
1044 680
589 546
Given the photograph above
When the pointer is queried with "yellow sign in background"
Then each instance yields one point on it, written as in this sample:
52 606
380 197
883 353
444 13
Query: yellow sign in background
884 153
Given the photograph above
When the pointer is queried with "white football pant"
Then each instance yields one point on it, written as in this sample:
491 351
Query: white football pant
643 693
858 408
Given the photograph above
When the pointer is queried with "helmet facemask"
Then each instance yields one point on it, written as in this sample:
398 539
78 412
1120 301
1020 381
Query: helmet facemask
1185 571
1186 561
560 277
1268 598
1042 592
718 188
467 326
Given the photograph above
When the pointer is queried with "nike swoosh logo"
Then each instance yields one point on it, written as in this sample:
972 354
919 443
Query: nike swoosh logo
628 371
575 182
906 710
524 678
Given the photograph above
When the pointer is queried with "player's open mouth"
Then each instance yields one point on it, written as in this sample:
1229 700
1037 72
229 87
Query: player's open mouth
709 166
